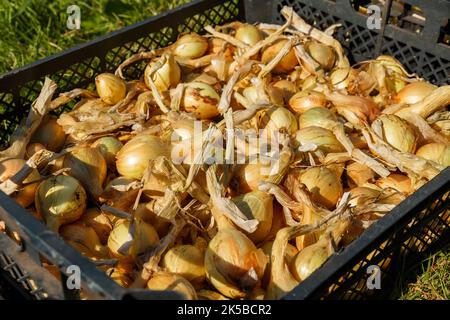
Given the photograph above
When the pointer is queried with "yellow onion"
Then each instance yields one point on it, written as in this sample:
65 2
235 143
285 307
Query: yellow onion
307 99
88 166
249 176
339 78
309 259
25 195
324 139
166 77
359 174
398 132
127 240
164 281
49 134
204 294
233 263
201 99
186 261
110 88
395 72
288 89
85 236
257 205
108 147
134 157
120 273
190 46
145 212
309 83
279 119
98 221
323 184
32 148
414 92
318 117
248 34
286 64
60 200
396 181
436 152
323 54
290 254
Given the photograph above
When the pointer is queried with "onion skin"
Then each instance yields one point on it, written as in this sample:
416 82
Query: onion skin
98 221
318 117
414 92
88 166
133 158
436 152
399 182
25 195
166 77
110 88
288 89
60 200
287 64
398 133
323 54
49 134
248 34
108 147
305 100
201 99
324 186
359 174
323 138
164 281
32 148
84 235
190 46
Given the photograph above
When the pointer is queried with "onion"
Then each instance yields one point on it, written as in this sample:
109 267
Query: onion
88 166
99 222
323 54
436 152
108 147
397 181
339 78
127 240
190 46
323 184
201 99
318 117
110 88
286 64
414 92
397 132
279 119
249 176
60 200
134 157
85 236
290 254
25 196
163 281
233 263
359 174
248 34
49 134
168 76
120 273
186 261
324 139
309 259
307 99
257 205
288 89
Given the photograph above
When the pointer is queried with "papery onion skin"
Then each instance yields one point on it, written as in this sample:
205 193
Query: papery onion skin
166 77
436 152
257 205
108 147
286 64
233 261
190 46
49 134
84 235
305 100
134 156
359 174
201 99
396 181
318 117
186 261
25 195
398 133
88 166
164 281
249 176
324 186
288 89
60 200
110 88
414 92
323 138
98 221
248 34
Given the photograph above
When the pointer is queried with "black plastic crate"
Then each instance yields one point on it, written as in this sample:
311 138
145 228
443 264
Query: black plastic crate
417 226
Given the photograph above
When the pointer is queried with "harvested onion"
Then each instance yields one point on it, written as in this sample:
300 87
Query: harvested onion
50 135
99 222
201 99
414 92
305 100
287 63
318 117
323 54
248 34
110 88
108 147
436 152
397 132
324 139
190 46
164 281
186 261
166 77
85 236
279 119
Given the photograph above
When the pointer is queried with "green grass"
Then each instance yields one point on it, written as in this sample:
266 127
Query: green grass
34 29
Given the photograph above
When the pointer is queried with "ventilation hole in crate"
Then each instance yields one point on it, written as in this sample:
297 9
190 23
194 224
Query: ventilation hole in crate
407 16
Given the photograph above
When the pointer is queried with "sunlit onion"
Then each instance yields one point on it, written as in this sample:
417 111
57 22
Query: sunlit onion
49 134
201 99
305 100
190 46
286 64
110 88
108 147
